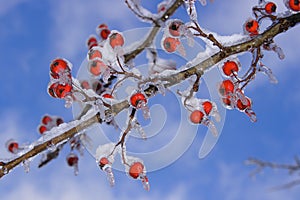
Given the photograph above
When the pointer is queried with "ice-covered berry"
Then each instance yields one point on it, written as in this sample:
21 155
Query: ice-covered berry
242 106
207 107
94 53
270 7
226 88
251 27
72 159
42 129
136 169
92 42
116 39
230 67
174 28
293 4
196 116
46 119
12 146
107 96
58 66
170 44
59 121
103 161
137 98
96 67
62 90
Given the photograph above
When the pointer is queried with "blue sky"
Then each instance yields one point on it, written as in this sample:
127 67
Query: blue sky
33 32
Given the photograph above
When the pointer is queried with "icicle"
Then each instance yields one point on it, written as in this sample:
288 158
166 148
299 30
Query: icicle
140 129
267 71
26 165
211 126
145 182
145 110
240 95
216 115
277 50
69 101
181 50
106 75
109 175
76 170
251 114
191 9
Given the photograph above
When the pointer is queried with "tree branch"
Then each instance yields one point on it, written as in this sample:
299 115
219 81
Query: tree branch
281 26
148 41
6 167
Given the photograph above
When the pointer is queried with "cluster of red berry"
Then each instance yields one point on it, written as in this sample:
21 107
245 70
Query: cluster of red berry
232 96
60 85
48 122
267 9
175 30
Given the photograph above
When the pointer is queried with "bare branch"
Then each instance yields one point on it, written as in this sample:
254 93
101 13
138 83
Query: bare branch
261 165
6 167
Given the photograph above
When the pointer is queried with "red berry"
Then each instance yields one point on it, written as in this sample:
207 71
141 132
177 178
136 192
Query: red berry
174 28
58 66
72 159
102 26
92 42
85 85
96 67
226 87
46 119
226 101
12 146
51 90
94 53
136 169
230 67
270 7
196 116
136 98
42 129
116 39
103 161
170 44
252 26
59 121
104 34
207 107
294 5
108 96
241 106
61 91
